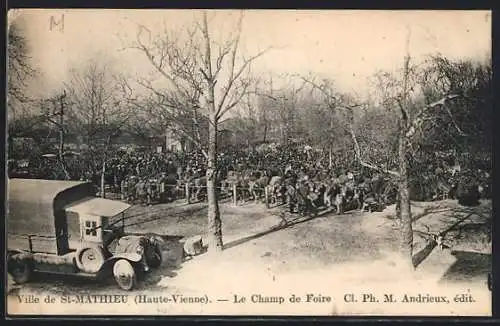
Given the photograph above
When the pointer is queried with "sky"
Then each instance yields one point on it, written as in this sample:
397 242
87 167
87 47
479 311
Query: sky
348 46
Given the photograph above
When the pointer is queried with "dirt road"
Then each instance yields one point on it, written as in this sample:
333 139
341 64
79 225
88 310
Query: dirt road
323 258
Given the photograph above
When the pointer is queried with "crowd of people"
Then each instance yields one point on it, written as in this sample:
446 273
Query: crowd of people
300 176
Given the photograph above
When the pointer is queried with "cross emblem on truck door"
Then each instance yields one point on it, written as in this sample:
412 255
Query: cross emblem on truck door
90 228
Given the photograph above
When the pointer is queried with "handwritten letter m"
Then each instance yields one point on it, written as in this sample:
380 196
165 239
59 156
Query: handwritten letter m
57 23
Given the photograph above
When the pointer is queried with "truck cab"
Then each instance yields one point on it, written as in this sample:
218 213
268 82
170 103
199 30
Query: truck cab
61 227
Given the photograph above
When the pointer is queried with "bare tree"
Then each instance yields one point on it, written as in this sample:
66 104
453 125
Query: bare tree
404 203
397 94
204 81
20 70
98 110
463 124
279 108
339 112
244 124
20 73
410 119
54 112
266 101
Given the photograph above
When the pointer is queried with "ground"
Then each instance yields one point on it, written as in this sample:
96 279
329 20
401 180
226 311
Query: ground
271 253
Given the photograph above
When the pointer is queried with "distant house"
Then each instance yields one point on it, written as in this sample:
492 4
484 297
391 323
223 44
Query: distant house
172 142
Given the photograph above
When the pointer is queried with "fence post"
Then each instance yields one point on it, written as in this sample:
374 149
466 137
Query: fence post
188 197
30 242
266 196
235 200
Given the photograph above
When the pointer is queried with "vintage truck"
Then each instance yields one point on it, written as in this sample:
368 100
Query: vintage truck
61 227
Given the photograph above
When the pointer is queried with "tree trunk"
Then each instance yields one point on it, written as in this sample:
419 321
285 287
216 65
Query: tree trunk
103 171
404 187
215 244
103 180
61 154
183 145
214 222
61 137
404 204
330 158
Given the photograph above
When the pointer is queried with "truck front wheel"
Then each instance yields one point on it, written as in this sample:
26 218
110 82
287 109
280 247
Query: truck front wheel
124 274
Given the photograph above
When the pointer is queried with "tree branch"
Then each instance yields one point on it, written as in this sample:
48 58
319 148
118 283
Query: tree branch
357 150
234 77
419 117
331 98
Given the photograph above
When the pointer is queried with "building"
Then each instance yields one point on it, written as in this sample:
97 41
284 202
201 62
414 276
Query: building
173 143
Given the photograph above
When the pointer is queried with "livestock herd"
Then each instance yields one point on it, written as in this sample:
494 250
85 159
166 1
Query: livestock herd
303 185
302 191
303 179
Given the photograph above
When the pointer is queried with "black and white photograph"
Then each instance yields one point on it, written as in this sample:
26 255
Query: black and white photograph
249 162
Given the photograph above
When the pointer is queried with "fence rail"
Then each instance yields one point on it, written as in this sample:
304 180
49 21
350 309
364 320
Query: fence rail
187 191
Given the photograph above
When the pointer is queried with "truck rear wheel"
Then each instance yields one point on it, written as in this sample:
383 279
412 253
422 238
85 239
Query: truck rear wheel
124 274
90 260
20 270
